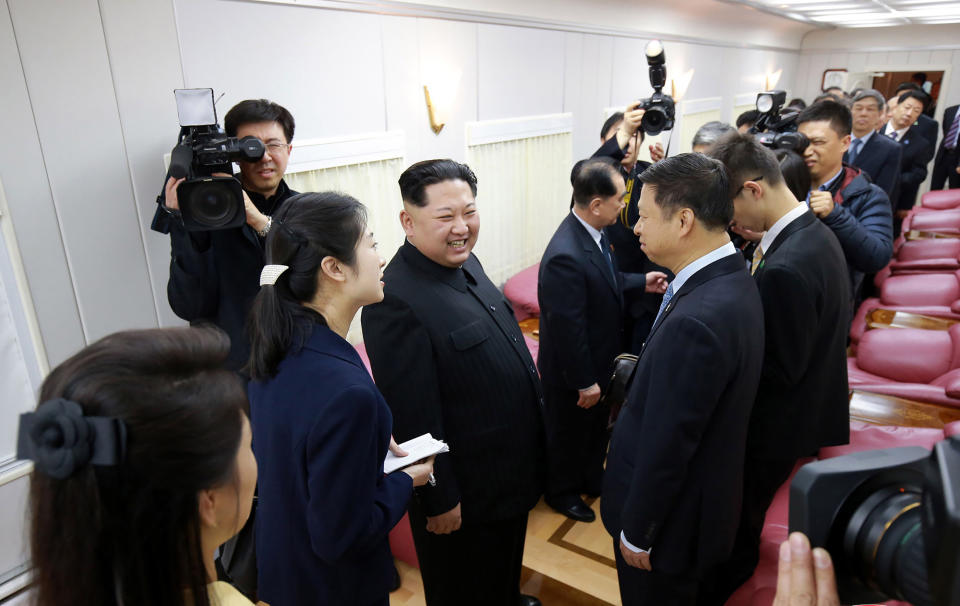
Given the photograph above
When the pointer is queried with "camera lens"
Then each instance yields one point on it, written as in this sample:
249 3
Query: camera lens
653 121
884 537
212 204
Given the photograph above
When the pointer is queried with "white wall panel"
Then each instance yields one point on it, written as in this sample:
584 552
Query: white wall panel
32 213
145 61
520 72
75 107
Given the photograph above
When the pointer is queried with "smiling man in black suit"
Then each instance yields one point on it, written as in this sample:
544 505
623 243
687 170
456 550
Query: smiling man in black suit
673 483
801 402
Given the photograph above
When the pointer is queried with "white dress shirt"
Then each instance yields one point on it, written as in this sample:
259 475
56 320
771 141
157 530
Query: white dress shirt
900 133
771 235
593 231
682 276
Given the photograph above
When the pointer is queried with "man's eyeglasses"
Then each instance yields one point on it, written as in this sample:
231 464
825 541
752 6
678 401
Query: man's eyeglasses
275 148
737 193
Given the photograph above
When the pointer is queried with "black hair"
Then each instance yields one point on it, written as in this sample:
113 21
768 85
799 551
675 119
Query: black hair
837 114
418 176
921 76
907 86
795 172
307 228
745 159
748 117
258 110
614 119
919 95
841 99
692 181
130 533
843 93
594 178
798 103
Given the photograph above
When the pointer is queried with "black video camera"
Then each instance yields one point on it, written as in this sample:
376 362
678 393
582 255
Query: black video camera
659 108
889 518
776 130
208 202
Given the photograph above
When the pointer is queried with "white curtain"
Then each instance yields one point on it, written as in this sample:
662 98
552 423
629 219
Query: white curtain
374 184
523 194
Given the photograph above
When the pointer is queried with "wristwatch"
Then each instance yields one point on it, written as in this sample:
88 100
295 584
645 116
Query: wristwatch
266 228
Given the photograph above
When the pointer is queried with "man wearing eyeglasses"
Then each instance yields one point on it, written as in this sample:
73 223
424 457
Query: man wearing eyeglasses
214 275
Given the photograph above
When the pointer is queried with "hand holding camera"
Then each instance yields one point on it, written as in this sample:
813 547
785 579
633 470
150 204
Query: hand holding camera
254 218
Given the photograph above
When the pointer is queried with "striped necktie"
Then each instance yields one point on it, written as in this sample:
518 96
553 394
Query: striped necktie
757 260
950 141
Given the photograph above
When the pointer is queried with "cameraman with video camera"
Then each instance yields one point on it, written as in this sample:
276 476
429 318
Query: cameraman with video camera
214 273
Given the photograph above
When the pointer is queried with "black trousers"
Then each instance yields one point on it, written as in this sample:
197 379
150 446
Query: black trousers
761 480
945 168
650 588
576 445
476 565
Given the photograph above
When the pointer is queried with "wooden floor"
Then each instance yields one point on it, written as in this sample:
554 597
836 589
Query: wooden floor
565 563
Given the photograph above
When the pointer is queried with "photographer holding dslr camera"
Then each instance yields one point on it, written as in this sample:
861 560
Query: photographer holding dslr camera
217 222
649 116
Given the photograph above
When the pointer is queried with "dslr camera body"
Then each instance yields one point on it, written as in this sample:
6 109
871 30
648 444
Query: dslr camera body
659 110
203 149
889 518
776 130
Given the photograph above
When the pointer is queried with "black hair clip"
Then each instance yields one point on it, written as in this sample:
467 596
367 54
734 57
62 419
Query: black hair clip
59 439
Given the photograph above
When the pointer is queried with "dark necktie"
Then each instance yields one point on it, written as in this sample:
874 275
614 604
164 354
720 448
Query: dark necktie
605 249
893 135
855 150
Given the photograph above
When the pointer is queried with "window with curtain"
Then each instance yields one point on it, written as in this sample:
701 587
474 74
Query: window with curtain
375 185
523 194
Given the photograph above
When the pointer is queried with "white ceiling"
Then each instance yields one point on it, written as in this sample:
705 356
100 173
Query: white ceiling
860 13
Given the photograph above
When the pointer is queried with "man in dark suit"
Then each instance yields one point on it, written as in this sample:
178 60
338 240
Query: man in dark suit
672 487
877 156
801 402
917 149
449 357
946 167
581 295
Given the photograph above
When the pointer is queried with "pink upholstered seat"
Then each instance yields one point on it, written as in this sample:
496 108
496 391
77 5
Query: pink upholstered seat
940 199
921 365
941 221
521 291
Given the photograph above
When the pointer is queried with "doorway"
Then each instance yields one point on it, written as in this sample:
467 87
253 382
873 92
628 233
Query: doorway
888 82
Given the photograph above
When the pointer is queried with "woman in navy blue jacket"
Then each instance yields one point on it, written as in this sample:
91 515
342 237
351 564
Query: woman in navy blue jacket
321 429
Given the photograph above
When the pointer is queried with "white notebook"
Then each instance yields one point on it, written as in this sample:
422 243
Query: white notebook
418 448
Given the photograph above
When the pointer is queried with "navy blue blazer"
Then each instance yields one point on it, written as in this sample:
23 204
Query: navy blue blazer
581 310
320 433
674 472
880 159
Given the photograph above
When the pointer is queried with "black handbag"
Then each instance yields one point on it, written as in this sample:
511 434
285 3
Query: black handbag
616 392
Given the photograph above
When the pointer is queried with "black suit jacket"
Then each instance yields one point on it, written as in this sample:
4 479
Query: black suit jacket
675 468
449 357
917 153
880 158
581 310
802 400
928 128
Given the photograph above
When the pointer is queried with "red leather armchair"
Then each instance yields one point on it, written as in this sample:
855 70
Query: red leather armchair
943 199
920 365
521 291
928 294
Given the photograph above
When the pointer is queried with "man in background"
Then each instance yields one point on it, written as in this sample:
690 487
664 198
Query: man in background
214 275
946 166
876 155
857 210
581 294
917 150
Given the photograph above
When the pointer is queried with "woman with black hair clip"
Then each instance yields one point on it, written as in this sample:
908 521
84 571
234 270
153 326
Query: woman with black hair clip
321 428
142 468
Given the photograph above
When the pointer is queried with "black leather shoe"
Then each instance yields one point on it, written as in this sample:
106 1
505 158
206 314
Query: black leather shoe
574 508
528 600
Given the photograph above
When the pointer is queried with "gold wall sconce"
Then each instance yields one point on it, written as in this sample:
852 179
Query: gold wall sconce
435 126
771 80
